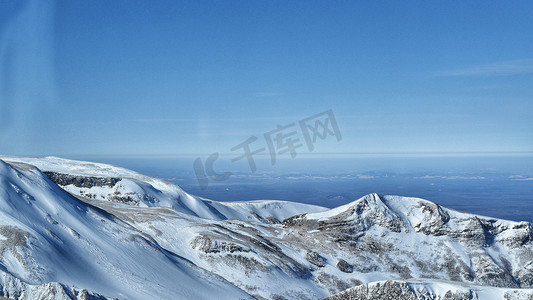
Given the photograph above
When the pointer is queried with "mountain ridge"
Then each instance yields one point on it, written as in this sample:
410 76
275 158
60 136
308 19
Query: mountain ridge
261 249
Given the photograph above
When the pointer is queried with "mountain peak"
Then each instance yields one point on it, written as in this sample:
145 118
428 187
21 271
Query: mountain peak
95 227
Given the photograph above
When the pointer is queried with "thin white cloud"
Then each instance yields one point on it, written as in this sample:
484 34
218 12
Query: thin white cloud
505 68
366 177
451 177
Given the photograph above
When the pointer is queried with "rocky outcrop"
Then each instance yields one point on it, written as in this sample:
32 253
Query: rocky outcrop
81 181
14 288
416 238
316 259
206 244
398 290
344 266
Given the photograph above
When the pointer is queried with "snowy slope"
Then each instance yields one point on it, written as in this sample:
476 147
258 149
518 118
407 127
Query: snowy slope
426 290
414 238
363 242
244 253
171 245
85 179
47 235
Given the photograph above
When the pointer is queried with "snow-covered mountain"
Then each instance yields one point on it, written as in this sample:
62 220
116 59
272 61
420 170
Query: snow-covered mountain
76 230
434 290
106 182
51 242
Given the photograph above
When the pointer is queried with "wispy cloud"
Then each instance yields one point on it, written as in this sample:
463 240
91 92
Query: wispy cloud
505 68
455 177
520 177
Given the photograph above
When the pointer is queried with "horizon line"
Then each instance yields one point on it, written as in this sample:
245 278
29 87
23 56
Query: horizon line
413 154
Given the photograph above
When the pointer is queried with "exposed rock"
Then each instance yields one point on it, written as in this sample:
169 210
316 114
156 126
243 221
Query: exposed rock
13 288
81 181
208 245
344 266
316 259
335 284
397 291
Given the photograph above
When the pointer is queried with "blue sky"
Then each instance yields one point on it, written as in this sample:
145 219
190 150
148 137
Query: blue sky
197 77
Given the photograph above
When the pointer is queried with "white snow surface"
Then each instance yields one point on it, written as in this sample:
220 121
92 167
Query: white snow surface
153 192
54 237
437 289
172 245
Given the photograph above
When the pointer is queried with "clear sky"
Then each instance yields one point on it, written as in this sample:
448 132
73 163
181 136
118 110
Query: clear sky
191 77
